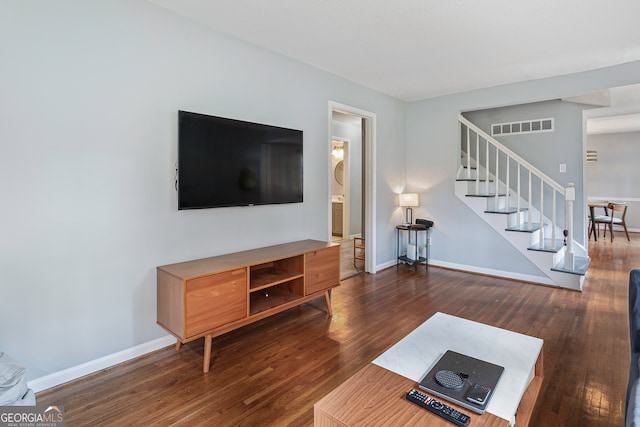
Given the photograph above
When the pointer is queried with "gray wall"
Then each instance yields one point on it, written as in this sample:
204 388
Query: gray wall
88 140
615 176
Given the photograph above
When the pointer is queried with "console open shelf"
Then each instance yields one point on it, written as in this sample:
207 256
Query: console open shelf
273 273
273 296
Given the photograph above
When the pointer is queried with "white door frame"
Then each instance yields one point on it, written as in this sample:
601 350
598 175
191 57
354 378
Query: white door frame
369 145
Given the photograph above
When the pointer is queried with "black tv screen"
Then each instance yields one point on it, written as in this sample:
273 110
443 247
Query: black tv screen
225 162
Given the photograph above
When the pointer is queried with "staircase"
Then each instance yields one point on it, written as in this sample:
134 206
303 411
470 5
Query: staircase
530 210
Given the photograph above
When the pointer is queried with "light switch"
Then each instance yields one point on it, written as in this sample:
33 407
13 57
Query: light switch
563 167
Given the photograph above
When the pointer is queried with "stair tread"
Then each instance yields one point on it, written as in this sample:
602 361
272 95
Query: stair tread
524 227
474 180
547 246
505 211
486 195
580 264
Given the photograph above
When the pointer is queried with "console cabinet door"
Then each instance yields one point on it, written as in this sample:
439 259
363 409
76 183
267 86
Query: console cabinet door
322 269
215 300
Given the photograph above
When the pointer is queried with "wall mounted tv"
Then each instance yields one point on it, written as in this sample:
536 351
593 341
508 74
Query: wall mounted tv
224 162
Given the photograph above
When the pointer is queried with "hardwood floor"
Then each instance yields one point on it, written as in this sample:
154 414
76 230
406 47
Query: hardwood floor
272 372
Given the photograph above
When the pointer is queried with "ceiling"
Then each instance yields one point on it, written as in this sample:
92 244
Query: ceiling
417 49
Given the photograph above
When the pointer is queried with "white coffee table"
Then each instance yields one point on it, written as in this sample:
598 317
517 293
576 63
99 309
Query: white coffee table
519 354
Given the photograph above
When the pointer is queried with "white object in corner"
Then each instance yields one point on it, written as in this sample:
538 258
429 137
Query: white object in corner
411 252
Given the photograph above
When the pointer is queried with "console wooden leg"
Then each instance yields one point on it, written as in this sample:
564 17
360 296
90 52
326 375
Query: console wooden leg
207 353
327 299
178 345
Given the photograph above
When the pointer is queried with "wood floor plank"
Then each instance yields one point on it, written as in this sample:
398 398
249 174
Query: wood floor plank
272 372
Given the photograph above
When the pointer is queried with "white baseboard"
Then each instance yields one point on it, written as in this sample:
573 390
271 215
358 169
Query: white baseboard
75 372
385 265
472 269
491 272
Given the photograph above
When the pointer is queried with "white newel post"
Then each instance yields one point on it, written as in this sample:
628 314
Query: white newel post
569 197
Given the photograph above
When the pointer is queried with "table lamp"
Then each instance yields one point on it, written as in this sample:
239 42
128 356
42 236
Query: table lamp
408 200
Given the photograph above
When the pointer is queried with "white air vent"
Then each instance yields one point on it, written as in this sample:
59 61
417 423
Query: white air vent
528 126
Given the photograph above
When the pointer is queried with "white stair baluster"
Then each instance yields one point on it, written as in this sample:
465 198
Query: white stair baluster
518 195
553 220
508 188
487 166
529 213
497 180
477 163
468 154
541 213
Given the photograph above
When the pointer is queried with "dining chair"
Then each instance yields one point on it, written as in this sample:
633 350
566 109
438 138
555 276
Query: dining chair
592 207
358 250
615 216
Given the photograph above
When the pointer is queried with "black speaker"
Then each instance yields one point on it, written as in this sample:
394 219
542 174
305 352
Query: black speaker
427 223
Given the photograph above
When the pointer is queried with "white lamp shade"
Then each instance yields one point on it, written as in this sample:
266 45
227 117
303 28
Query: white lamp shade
408 199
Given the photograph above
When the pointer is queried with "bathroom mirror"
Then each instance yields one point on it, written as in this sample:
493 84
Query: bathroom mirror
338 172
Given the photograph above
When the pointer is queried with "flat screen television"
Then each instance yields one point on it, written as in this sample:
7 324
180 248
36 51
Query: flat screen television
225 162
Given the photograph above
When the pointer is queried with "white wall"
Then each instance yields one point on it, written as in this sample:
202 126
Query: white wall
615 176
459 237
88 129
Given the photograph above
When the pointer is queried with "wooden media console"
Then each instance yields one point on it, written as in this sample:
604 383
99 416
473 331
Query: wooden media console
211 296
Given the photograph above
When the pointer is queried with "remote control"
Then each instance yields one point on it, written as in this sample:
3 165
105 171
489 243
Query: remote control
438 408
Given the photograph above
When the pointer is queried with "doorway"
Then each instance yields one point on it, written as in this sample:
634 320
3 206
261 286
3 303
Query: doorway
351 203
340 189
